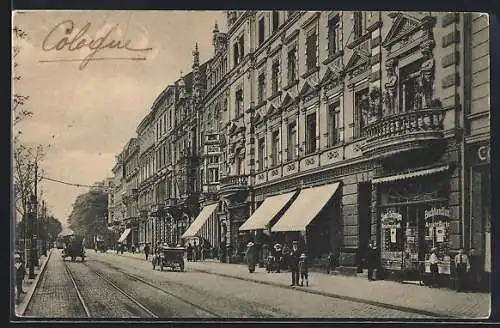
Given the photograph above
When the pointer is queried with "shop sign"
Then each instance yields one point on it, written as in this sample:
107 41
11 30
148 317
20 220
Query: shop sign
391 219
437 212
479 154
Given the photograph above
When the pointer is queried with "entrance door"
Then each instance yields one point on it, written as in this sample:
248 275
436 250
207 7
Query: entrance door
364 219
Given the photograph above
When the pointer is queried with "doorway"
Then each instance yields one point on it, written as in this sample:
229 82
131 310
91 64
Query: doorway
364 221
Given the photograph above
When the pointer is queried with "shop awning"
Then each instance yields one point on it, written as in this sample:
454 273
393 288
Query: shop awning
266 212
124 235
305 208
205 213
410 175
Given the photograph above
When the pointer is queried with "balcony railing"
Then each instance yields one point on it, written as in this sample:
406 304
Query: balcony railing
234 182
408 129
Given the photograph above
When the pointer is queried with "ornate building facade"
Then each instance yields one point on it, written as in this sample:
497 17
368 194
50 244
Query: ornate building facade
376 123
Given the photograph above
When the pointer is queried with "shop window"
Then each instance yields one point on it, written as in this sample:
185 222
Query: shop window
292 65
333 124
292 140
311 133
333 35
311 51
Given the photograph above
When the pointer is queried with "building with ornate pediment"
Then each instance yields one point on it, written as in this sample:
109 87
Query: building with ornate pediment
335 128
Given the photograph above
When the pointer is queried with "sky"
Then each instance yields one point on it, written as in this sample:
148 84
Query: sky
87 114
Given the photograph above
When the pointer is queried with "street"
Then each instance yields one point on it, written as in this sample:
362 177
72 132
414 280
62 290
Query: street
107 285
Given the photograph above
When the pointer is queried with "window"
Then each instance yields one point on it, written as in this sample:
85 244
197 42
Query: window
275 77
292 140
333 36
261 30
170 118
359 24
261 88
275 147
333 124
239 102
292 65
276 20
311 48
241 42
236 54
213 175
311 133
360 110
260 153
409 76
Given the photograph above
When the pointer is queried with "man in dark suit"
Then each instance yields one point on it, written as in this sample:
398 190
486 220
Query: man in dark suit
372 259
293 258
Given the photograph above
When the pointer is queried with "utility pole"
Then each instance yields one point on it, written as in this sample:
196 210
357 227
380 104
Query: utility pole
31 219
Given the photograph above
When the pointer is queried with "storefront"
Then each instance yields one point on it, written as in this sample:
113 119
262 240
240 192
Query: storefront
480 205
414 218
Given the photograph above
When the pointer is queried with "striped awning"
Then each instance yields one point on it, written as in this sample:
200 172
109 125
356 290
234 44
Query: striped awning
305 208
124 235
195 227
410 175
267 211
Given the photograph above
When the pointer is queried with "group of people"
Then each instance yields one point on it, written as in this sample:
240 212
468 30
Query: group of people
295 258
195 252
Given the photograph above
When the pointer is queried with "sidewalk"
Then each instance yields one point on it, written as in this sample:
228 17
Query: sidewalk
29 285
386 293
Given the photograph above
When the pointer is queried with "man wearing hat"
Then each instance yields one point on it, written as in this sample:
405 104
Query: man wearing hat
294 263
20 273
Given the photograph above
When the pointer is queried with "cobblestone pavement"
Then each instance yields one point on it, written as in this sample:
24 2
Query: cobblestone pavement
388 294
234 298
54 296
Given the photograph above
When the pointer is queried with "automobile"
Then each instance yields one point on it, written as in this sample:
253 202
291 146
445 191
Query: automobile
168 256
74 248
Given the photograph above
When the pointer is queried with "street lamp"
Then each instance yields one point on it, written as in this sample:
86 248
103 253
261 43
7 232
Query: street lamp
32 236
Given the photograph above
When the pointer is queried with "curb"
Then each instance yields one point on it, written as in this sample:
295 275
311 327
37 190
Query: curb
333 295
326 294
24 305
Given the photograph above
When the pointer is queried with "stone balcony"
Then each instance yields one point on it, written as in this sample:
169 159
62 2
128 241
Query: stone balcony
233 183
403 132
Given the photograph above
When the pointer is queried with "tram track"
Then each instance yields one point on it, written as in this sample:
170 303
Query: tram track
108 282
155 287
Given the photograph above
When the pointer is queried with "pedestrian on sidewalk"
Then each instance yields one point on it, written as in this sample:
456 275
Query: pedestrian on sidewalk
20 273
189 252
462 266
303 269
331 263
433 261
294 263
147 250
372 259
474 276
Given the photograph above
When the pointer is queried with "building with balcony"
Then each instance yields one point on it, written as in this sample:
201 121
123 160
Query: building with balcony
334 128
130 192
372 104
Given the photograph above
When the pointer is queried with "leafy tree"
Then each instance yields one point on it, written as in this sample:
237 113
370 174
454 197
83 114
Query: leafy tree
54 228
88 217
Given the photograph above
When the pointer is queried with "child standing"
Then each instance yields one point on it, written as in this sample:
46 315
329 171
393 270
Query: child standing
303 269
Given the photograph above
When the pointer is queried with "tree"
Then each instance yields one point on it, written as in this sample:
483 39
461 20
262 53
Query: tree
19 110
53 229
88 216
